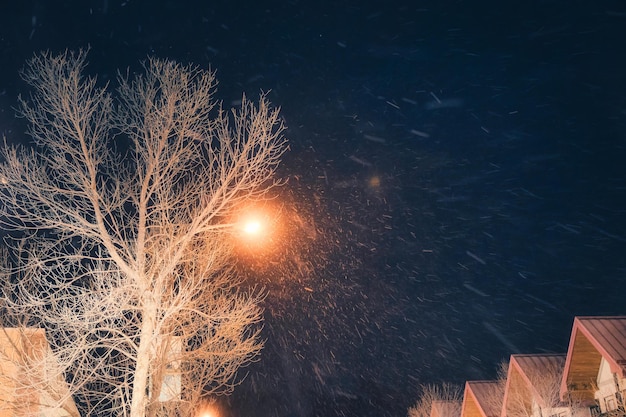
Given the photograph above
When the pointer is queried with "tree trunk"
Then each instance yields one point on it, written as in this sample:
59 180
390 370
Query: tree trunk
140 397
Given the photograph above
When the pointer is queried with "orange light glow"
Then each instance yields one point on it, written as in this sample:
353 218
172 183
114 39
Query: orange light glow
209 409
253 226
256 227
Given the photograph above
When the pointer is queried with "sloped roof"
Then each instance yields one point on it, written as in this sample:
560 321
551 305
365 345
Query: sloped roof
592 339
532 376
478 399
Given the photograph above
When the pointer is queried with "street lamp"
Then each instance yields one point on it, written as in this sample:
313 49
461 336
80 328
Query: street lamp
258 236
256 226
252 226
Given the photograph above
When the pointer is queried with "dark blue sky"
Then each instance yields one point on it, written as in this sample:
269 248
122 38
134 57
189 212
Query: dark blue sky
456 175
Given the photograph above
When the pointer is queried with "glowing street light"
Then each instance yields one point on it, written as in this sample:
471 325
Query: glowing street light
256 227
253 227
209 409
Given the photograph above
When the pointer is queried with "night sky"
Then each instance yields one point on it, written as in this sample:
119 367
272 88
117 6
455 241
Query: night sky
455 181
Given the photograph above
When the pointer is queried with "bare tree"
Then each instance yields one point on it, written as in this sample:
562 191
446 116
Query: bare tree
537 394
494 397
547 384
445 399
122 222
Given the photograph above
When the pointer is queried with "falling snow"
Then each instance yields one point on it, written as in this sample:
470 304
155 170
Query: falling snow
454 191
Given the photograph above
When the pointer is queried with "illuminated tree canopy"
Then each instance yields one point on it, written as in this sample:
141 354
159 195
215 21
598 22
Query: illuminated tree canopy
120 246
